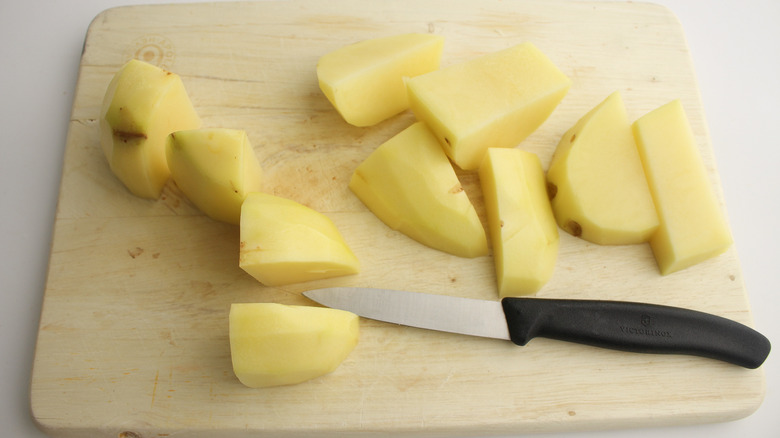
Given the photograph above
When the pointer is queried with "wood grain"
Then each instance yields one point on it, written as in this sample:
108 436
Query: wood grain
133 335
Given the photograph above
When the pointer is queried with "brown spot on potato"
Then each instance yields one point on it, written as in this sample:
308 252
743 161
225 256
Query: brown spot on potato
552 190
574 228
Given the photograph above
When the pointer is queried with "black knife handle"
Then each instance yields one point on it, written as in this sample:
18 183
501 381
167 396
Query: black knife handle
635 327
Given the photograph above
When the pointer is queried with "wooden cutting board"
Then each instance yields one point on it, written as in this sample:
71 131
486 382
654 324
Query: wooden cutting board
133 338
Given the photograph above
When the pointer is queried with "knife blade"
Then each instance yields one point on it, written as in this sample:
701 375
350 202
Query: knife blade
618 325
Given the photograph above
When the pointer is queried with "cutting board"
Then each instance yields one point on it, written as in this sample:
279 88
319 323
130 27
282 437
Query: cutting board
133 338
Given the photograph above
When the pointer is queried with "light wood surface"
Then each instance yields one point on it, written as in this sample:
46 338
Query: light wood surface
133 335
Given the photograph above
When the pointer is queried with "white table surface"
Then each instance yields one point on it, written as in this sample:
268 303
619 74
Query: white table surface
734 45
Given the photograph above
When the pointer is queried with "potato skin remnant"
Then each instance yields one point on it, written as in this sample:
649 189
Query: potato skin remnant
574 228
552 190
456 189
125 136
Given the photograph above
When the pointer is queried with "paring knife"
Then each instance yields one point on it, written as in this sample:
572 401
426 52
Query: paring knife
619 325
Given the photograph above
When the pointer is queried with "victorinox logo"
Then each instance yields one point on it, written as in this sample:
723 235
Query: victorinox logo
647 322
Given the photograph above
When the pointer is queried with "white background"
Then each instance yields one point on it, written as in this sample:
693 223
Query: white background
735 46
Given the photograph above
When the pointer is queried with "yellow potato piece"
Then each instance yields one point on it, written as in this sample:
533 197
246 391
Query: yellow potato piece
142 105
365 81
597 184
520 220
216 168
693 226
284 242
274 344
495 100
410 185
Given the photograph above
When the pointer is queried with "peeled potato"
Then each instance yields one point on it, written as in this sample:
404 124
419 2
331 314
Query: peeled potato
275 344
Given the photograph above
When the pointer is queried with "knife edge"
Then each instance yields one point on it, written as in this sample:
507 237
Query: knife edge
465 316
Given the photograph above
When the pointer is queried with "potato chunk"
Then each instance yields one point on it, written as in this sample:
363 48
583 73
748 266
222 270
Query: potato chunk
215 168
284 242
495 100
521 223
599 186
365 81
142 105
274 344
693 226
410 185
